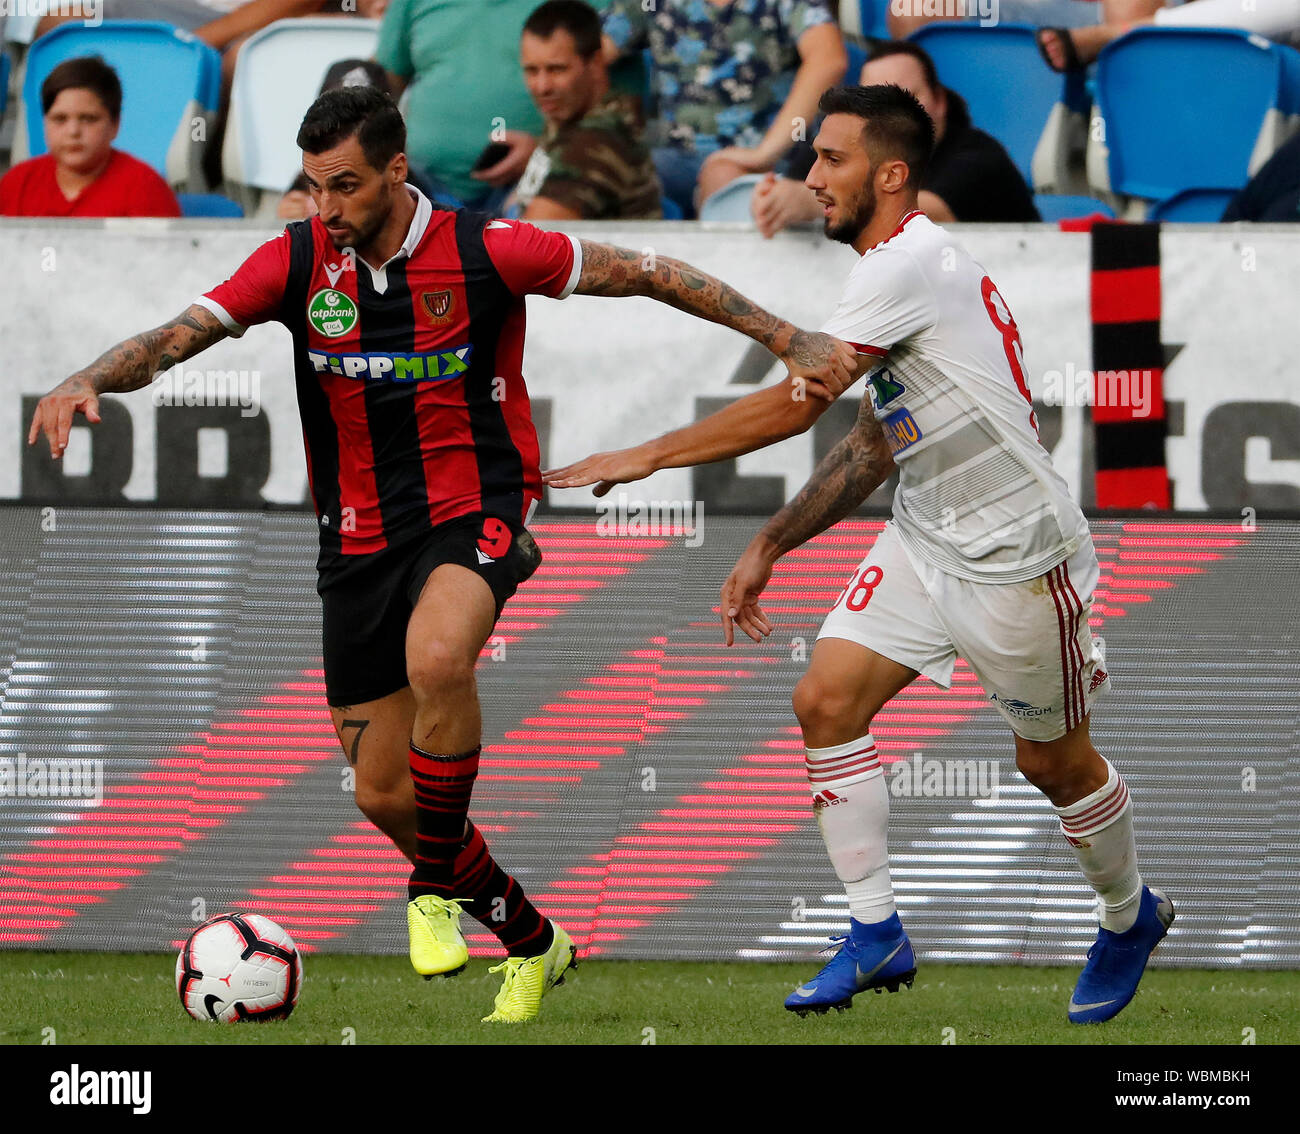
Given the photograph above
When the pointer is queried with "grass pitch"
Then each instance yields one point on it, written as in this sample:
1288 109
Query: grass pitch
110 998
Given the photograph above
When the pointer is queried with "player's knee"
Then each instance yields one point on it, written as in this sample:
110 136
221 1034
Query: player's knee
821 706
1042 766
437 672
388 809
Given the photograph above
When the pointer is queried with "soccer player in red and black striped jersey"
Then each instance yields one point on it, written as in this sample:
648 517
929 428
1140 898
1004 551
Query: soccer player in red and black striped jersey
408 330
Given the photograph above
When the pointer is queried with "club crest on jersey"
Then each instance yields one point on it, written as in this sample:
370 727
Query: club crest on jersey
901 431
331 313
437 305
372 366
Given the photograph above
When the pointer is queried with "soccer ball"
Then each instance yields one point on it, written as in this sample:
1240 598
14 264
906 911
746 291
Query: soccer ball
239 967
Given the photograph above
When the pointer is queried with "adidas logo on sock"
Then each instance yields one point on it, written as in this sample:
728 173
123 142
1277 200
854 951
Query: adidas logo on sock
826 799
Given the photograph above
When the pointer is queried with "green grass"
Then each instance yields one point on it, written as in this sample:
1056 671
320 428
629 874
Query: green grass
109 998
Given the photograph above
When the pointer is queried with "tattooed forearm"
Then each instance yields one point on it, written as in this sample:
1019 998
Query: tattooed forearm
133 363
847 475
608 270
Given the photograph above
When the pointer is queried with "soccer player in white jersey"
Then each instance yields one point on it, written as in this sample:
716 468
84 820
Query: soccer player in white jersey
986 556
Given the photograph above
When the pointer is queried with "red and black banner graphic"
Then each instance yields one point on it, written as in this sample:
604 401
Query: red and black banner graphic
1128 362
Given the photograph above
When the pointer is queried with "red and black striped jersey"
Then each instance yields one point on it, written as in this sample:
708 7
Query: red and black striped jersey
409 376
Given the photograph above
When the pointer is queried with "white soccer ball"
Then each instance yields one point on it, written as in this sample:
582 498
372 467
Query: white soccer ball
239 967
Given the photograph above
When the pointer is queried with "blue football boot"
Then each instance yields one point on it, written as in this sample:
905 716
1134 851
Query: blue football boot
871 956
1116 961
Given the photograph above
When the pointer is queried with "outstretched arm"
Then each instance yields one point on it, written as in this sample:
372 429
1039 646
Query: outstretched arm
761 418
128 366
846 476
825 363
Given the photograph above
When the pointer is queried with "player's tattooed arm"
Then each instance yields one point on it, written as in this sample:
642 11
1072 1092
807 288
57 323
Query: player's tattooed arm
846 476
133 363
128 366
827 365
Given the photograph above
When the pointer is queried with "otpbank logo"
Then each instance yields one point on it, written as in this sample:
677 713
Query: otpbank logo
372 366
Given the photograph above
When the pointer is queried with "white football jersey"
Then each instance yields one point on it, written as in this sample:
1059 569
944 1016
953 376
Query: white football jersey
977 494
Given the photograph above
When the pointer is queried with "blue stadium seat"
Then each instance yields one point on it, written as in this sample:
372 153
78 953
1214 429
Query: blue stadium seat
171 81
1190 108
1193 205
671 209
279 75
1054 207
1012 94
4 80
872 14
208 205
731 202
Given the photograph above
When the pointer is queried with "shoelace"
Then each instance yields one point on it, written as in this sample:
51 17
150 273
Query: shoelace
452 908
512 966
836 945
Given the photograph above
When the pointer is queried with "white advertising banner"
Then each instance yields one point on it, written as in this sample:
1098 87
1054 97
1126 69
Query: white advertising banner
605 373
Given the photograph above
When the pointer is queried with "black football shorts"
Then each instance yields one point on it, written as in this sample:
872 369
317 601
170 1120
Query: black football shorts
366 608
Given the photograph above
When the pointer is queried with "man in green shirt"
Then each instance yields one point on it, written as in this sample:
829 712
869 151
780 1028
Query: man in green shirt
460 59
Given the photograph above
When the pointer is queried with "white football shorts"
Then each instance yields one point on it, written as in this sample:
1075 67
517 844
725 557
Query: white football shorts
1029 643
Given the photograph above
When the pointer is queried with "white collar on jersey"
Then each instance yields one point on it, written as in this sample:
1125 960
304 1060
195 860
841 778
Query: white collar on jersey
414 234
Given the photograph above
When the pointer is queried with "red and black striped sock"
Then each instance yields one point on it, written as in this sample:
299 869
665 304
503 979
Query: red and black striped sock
443 785
497 900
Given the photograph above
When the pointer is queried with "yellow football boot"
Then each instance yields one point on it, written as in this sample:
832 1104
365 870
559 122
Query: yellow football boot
437 946
528 979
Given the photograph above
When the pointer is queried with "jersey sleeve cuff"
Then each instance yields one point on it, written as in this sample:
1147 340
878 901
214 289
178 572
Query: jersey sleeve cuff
576 272
236 329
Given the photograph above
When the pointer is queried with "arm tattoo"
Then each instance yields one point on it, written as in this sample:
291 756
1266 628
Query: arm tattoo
608 270
133 363
847 475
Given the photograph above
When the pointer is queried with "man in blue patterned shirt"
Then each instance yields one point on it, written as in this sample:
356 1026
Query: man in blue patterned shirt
736 82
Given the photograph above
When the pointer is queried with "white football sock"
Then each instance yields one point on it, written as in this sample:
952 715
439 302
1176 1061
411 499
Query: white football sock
851 801
1100 830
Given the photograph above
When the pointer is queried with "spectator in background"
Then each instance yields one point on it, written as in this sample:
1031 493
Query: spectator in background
81 175
591 163
1072 49
1273 194
970 176
734 81
460 59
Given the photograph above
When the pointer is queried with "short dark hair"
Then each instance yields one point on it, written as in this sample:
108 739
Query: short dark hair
885 48
895 124
89 72
367 112
577 18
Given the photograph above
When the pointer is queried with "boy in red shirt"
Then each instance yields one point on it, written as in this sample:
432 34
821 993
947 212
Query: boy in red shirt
82 175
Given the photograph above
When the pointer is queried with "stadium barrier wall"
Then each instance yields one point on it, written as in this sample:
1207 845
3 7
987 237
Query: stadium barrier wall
166 755
604 373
